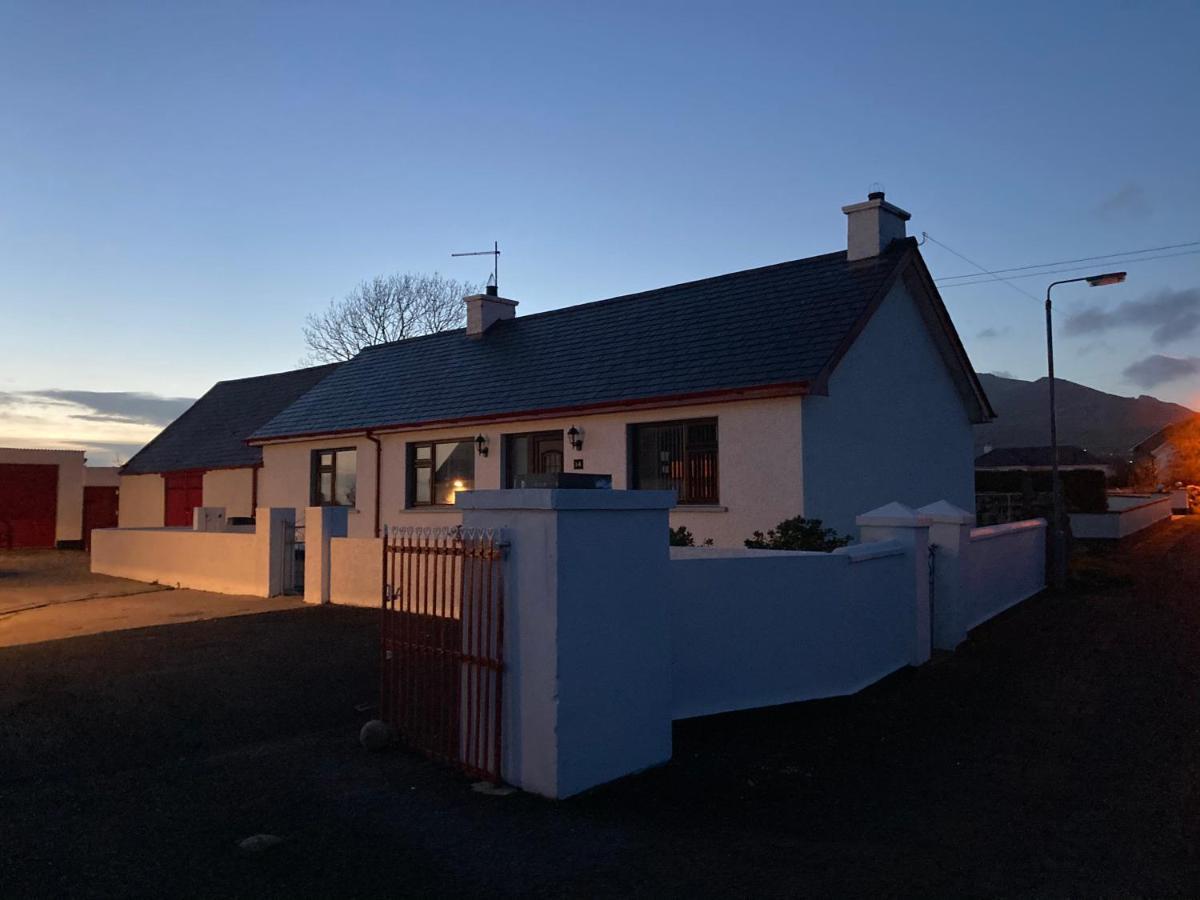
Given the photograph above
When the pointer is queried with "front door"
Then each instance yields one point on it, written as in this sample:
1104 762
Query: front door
537 453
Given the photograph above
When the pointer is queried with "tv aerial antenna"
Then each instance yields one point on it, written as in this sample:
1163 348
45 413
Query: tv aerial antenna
494 253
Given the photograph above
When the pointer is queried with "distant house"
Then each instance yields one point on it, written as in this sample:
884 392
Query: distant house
821 387
1038 459
202 458
1175 451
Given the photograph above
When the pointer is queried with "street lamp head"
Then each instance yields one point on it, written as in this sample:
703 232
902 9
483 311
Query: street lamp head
1107 278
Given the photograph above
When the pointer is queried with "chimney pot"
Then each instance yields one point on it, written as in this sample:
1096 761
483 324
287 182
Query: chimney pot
872 225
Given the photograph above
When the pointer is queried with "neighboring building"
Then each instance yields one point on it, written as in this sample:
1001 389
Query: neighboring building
1175 451
50 498
1038 459
202 459
821 387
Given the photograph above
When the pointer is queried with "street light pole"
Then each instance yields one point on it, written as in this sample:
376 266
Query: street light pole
1058 556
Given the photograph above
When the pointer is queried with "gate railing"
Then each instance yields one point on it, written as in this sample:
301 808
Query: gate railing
293 558
442 646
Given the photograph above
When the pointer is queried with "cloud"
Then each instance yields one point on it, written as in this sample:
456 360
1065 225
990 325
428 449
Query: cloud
121 406
109 425
1171 315
1130 202
989 333
1001 373
1158 369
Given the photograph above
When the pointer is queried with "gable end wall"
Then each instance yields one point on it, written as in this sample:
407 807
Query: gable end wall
892 427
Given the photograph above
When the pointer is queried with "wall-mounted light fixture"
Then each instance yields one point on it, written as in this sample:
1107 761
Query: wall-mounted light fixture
481 444
575 436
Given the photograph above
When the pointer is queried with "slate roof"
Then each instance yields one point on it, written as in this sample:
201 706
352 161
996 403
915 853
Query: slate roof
777 325
212 433
1019 457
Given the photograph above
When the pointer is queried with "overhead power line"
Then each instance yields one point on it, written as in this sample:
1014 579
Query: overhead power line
1067 271
1063 262
991 275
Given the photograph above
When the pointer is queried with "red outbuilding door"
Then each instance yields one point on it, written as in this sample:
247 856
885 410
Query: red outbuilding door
99 511
184 492
28 505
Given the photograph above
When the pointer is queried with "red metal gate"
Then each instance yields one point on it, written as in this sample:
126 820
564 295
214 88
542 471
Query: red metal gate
442 648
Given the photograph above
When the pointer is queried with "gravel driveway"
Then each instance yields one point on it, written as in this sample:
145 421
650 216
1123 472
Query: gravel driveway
32 578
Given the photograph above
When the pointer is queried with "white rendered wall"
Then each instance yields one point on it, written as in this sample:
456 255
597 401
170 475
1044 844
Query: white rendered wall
227 562
231 488
759 467
1130 515
750 630
68 521
1007 566
141 502
356 571
587 679
893 426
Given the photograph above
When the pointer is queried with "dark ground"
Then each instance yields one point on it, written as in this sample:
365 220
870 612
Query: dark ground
1056 753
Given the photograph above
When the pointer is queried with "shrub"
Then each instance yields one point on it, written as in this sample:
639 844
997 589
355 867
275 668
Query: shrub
681 537
798 534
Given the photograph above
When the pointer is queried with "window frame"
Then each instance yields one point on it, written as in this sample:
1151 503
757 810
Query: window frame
684 493
316 470
412 464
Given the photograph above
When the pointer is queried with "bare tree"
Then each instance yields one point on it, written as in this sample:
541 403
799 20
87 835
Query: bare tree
386 308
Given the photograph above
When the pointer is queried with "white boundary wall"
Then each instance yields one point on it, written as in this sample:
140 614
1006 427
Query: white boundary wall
758 629
356 571
1127 514
980 572
609 635
228 562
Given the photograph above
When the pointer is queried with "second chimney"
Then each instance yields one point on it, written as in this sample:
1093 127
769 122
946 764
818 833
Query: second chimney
871 226
485 310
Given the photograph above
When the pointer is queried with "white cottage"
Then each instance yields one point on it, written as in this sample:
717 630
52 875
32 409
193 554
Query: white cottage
820 387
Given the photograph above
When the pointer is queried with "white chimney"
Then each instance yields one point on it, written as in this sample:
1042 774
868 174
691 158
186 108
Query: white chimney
871 226
484 310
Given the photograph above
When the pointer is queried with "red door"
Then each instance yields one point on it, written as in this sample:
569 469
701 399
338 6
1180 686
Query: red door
184 492
99 511
28 505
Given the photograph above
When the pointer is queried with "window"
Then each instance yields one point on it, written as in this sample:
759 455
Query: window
334 477
679 456
439 470
539 453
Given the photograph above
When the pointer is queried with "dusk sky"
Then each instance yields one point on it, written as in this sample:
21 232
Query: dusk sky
180 184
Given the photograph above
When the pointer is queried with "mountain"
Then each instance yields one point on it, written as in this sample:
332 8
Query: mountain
1100 423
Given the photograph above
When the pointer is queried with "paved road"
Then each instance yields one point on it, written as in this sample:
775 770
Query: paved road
1056 753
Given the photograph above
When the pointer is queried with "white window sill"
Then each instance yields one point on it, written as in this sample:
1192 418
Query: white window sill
699 509
422 510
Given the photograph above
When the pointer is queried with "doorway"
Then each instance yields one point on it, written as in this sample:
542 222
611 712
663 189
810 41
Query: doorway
535 453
